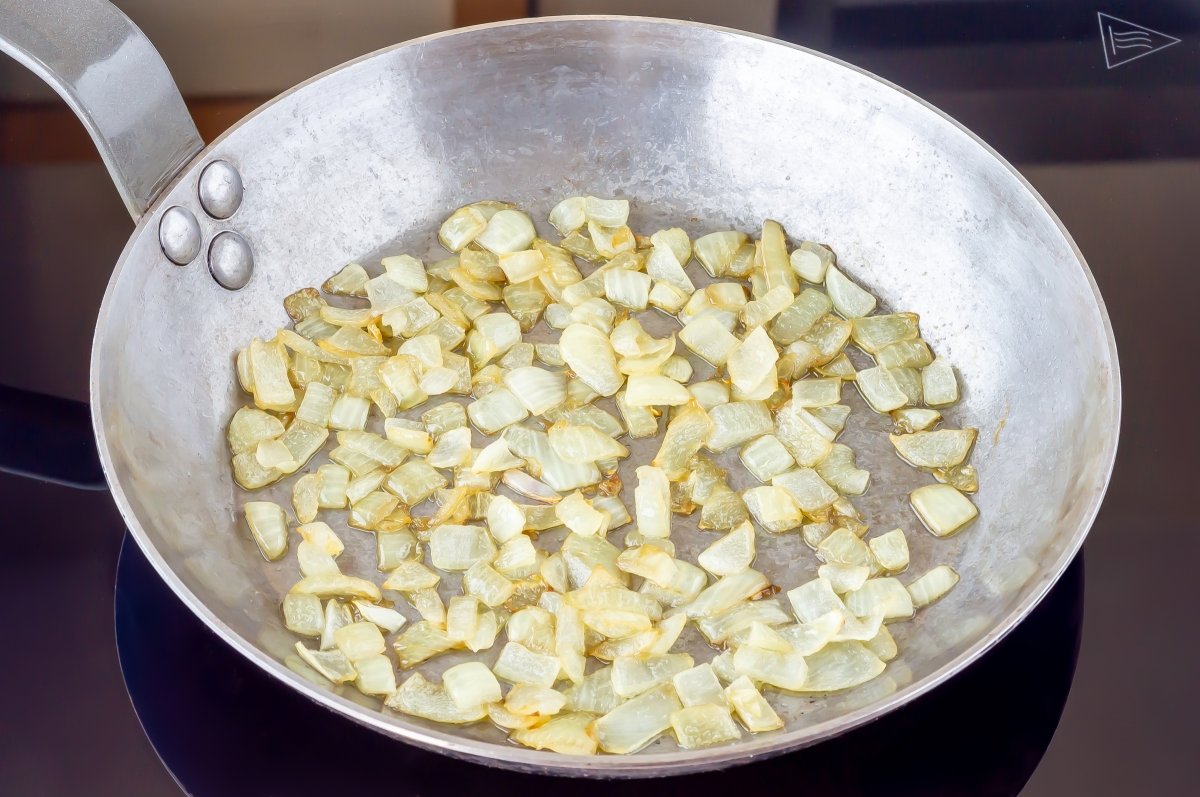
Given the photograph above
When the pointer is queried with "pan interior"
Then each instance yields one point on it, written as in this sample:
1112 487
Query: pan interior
698 126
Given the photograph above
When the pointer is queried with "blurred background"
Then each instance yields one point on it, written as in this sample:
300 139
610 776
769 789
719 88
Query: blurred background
1115 151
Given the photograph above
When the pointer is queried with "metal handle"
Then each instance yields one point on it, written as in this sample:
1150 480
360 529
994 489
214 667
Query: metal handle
115 81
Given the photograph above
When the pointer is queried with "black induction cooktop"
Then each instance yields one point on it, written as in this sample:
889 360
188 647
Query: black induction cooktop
222 726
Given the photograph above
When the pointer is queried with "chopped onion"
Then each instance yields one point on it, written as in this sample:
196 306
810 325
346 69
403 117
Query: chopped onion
879 387
773 508
944 448
635 723
881 595
268 525
841 665
943 509
780 359
730 554
751 707
847 297
938 383
932 586
890 550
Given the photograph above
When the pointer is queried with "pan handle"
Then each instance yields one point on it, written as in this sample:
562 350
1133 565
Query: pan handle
115 82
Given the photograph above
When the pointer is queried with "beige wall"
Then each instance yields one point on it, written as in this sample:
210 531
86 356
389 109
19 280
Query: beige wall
753 15
259 47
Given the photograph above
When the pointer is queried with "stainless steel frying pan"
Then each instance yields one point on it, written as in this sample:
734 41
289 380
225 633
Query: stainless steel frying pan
693 122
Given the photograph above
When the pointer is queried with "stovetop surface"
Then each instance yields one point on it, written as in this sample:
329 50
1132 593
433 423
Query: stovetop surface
1094 694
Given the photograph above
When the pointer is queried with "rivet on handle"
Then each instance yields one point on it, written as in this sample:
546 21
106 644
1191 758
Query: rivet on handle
230 260
220 189
179 235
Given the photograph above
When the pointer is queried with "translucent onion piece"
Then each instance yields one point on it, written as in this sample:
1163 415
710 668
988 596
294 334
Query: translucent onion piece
350 281
881 595
566 734
841 665
850 300
800 316
685 434
570 214
782 670
610 241
938 383
577 514
944 448
844 547
496 410
269 363
539 390
495 457
420 698
773 508
507 231
698 686
814 599
631 676
844 578
817 392
807 439
582 444
765 457
704 726
667 297
414 481
915 419
457 548
635 723
751 707
810 261
649 562
906 354
807 638
519 665
332 664
389 620
753 360
375 675
590 355
461 228
932 586
879 387
709 339
730 554
359 640
250 426
505 519
646 390
736 422
470 685
268 525
890 550
492 588
302 614
943 509
716 250
839 471
409 576
727 592
629 289
876 333
337 585
652 502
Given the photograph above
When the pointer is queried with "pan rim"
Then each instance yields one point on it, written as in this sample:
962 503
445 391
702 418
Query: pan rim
604 766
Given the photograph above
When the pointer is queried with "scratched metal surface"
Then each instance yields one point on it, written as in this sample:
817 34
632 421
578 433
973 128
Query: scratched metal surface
699 124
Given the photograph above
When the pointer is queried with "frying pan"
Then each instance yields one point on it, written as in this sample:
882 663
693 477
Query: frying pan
688 121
